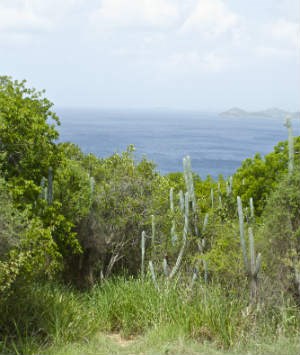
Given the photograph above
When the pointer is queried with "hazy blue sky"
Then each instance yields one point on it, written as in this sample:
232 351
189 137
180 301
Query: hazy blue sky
198 54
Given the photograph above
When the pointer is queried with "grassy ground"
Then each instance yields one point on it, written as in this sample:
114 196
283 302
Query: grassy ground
132 317
163 342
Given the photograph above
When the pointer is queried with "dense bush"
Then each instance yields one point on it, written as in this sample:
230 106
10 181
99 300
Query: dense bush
70 217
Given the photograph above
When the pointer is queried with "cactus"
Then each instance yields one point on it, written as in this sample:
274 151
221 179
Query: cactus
173 228
189 183
288 125
153 232
242 233
252 268
92 185
212 198
184 238
219 194
152 271
188 176
50 186
251 210
143 254
205 222
255 263
229 186
44 192
153 229
297 276
181 201
166 266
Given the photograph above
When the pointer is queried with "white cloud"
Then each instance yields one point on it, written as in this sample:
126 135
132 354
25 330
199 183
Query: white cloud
21 20
286 32
265 51
132 14
21 16
210 18
196 62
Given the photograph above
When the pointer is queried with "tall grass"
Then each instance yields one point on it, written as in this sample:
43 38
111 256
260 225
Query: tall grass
52 314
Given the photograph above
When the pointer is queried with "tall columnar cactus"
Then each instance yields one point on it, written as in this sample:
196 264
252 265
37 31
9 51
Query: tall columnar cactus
189 182
255 263
251 209
219 194
184 238
153 233
44 192
152 272
181 201
143 240
252 268
242 232
297 275
212 198
50 186
173 227
288 125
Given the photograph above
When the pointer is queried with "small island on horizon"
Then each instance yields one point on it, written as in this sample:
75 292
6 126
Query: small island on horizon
268 113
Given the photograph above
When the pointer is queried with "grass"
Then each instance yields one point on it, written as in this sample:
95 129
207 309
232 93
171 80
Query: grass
167 341
205 319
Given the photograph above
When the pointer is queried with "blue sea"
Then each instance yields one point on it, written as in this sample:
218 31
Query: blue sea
216 144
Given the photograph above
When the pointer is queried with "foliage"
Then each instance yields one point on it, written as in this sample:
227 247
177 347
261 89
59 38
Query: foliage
257 177
281 234
27 136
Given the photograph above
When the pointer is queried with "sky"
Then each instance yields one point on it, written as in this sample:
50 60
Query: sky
178 54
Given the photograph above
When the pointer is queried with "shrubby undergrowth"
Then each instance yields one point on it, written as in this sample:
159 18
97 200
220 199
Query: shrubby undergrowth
73 260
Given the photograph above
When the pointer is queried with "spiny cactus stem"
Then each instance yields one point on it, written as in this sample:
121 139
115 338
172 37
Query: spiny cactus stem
173 233
181 201
152 272
205 222
288 124
171 199
242 234
143 253
205 271
184 238
153 229
251 208
50 186
166 266
252 251
257 264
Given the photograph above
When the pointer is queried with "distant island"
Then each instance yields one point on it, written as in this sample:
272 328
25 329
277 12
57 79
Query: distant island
268 113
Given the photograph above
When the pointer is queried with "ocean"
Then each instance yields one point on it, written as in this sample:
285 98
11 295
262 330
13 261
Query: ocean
216 144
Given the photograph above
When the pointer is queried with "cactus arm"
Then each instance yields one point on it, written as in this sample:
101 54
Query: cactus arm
257 264
173 227
50 186
288 124
181 201
242 235
166 266
152 271
143 253
184 239
252 251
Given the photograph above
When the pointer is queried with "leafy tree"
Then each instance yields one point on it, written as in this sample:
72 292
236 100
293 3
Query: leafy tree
257 177
27 137
281 234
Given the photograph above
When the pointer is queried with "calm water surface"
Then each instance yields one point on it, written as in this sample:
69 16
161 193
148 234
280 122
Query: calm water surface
216 144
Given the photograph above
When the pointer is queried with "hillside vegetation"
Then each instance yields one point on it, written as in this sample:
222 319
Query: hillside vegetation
92 246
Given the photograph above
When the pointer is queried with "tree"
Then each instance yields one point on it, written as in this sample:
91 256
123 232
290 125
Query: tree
27 137
258 177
